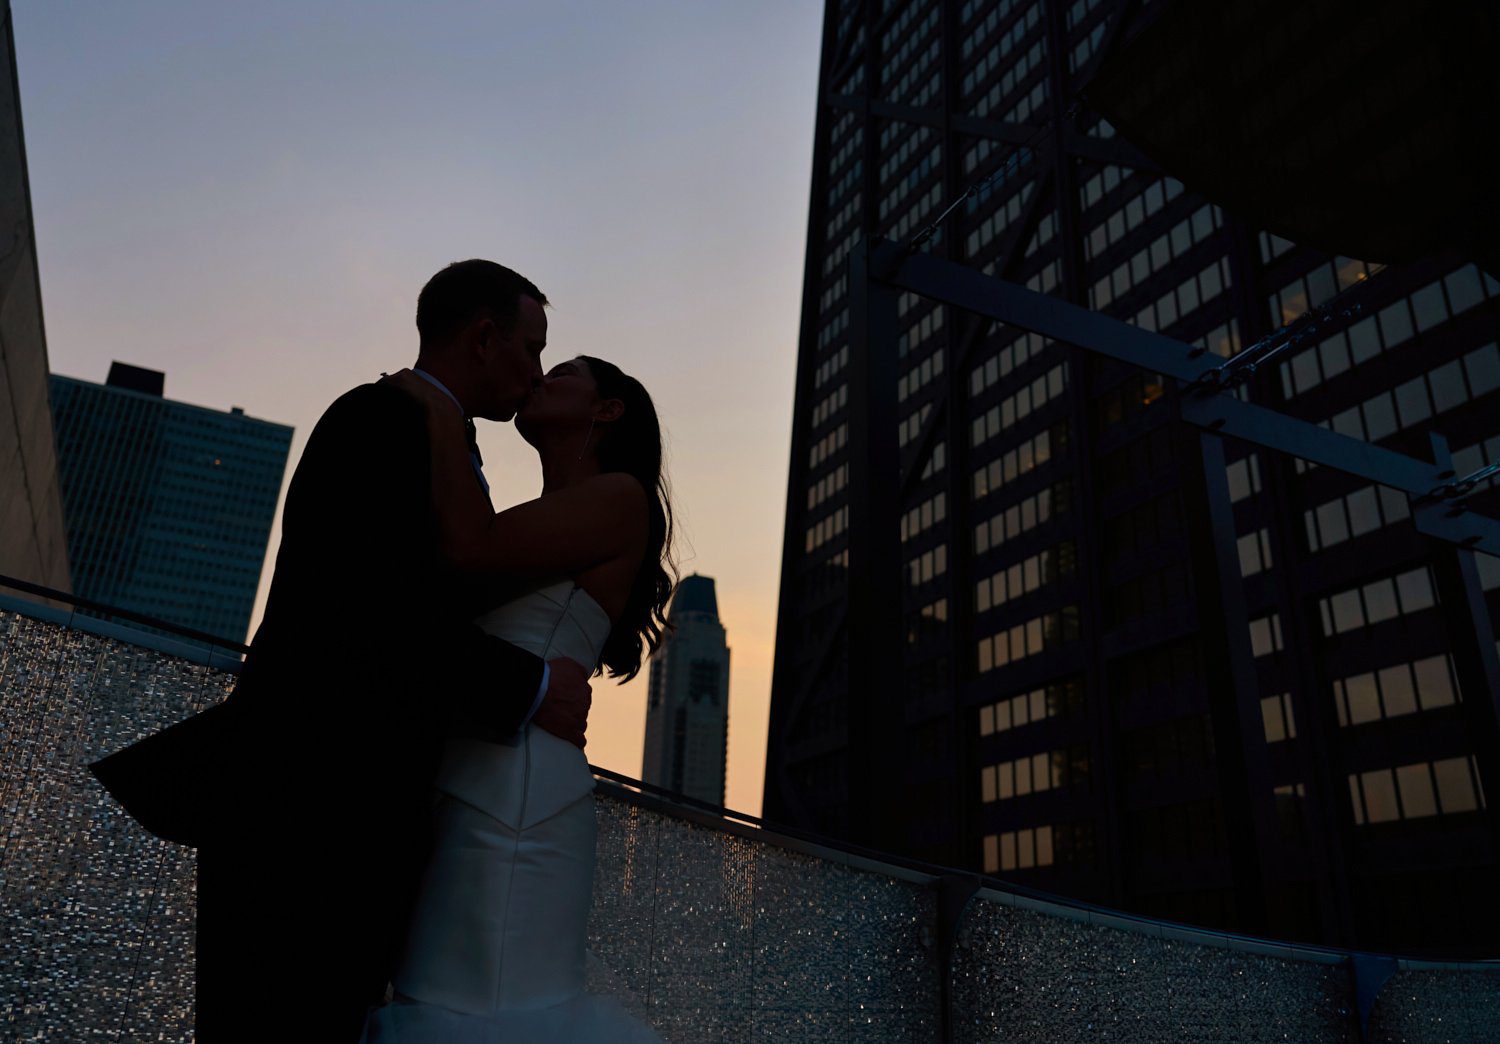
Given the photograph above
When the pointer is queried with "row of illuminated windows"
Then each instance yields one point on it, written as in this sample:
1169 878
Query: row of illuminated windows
846 150
910 35
991 227
831 404
1054 700
1018 406
1377 601
1105 181
979 34
930 621
1223 340
1079 10
828 445
839 287
1043 281
849 179
1086 47
924 516
901 90
826 529
1394 691
911 426
1017 69
1273 246
929 564
831 367
1020 460
847 213
833 482
832 328
1191 294
1031 101
908 147
1426 788
1265 635
1039 846
1031 61
1181 238
1374 334
1244 478
916 335
1046 228
994 13
1127 217
999 365
897 194
1058 769
1028 575
1023 516
917 213
1355 514
840 250
1441 389
1277 717
1047 631
1317 287
1255 552
936 461
919 376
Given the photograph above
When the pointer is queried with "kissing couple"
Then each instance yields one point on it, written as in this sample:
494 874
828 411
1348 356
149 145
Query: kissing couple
394 801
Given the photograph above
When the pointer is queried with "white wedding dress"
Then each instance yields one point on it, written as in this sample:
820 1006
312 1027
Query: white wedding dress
495 952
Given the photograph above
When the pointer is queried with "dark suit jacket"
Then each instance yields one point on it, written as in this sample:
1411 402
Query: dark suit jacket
365 660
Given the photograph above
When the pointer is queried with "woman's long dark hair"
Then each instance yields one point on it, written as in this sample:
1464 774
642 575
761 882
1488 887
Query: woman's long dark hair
632 444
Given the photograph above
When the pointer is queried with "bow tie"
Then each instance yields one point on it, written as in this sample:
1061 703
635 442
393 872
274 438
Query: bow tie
473 440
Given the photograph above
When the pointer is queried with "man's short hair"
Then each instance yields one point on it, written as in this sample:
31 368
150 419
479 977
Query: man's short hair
463 292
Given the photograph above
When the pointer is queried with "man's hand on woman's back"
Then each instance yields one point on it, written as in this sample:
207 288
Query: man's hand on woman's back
565 709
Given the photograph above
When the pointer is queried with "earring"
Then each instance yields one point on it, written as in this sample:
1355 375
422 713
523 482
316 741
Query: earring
586 439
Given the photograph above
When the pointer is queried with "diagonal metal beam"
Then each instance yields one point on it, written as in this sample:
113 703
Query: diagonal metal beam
1218 412
1005 262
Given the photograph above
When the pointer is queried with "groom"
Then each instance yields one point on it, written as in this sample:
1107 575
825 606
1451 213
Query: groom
306 792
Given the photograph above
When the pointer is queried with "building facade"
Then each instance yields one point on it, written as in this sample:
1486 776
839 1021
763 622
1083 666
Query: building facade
33 541
1053 716
169 506
687 703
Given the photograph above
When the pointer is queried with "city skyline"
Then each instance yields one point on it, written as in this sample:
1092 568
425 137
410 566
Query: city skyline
250 200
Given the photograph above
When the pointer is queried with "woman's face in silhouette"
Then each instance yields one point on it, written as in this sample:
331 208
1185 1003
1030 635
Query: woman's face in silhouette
562 405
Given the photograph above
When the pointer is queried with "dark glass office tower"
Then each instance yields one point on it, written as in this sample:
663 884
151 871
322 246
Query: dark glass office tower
1063 718
169 506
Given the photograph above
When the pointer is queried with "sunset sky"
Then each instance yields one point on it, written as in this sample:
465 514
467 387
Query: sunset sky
249 197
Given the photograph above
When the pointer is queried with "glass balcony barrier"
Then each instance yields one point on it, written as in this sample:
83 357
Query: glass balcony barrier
708 924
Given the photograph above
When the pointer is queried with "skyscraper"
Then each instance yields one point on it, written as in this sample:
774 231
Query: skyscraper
169 506
687 708
33 544
1052 719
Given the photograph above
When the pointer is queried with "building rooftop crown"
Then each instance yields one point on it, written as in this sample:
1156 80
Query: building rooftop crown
695 594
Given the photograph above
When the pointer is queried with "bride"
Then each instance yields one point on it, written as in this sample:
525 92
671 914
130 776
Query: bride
495 949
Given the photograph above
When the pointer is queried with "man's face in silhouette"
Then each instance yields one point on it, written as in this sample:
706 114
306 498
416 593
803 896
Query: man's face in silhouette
511 362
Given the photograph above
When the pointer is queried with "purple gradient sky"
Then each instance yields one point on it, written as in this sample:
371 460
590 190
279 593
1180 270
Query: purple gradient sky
249 196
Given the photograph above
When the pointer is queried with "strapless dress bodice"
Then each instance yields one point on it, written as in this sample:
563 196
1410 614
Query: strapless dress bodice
532 775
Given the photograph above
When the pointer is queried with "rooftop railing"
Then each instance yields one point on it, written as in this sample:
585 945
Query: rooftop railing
709 924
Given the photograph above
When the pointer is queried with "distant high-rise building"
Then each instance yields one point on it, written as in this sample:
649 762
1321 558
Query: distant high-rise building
687 709
33 543
1049 704
169 506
